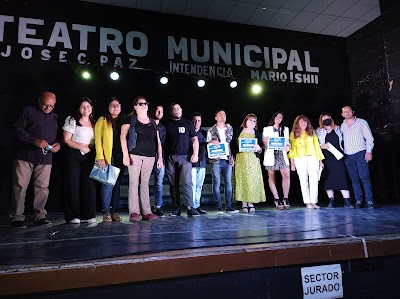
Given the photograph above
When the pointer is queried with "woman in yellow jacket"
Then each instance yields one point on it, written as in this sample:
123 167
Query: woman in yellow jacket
109 151
306 157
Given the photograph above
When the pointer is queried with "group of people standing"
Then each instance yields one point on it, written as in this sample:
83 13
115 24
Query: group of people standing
178 148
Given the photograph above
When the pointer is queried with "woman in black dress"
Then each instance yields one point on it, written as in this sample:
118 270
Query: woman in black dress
334 175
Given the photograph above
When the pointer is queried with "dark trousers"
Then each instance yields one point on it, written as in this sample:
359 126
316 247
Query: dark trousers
80 191
359 174
179 171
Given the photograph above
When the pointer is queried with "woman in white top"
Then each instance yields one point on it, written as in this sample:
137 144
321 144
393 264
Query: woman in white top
78 135
277 160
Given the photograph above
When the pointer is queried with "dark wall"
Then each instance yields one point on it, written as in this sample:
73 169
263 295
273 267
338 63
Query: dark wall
374 66
22 80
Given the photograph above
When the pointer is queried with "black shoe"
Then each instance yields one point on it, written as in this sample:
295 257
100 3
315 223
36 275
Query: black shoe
231 210
358 204
43 221
347 203
157 211
176 212
219 211
278 204
193 212
18 224
201 211
370 205
331 203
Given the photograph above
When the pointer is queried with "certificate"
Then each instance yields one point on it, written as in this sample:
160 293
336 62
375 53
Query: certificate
247 144
277 143
217 151
338 155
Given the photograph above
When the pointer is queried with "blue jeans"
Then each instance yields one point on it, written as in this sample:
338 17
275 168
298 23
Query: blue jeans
158 184
111 194
222 167
198 175
359 174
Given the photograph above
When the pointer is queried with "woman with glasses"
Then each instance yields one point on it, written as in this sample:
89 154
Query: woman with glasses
277 160
306 157
334 176
139 152
78 135
109 151
248 185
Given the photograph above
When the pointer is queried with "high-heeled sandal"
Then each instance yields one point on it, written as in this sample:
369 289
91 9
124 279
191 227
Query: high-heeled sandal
245 209
252 209
278 204
286 203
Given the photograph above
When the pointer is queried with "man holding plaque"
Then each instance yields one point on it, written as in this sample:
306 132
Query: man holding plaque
220 135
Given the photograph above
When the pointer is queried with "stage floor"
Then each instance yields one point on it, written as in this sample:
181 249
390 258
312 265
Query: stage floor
62 243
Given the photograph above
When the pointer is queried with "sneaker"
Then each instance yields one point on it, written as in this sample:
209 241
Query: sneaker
219 211
157 211
370 205
135 217
107 218
18 224
90 220
347 203
332 203
232 210
116 217
176 212
75 221
358 204
193 212
201 211
43 221
149 217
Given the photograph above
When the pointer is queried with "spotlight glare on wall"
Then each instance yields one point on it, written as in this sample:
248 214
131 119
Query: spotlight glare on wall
256 89
201 83
163 80
233 84
114 75
86 75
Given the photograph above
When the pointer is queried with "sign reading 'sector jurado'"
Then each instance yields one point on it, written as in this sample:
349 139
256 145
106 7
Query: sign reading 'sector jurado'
58 41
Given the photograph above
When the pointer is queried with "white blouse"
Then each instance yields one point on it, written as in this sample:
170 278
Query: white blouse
84 135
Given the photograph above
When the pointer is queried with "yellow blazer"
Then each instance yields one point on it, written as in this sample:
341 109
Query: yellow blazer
103 136
305 146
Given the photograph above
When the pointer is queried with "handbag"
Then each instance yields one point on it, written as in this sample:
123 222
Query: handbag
107 175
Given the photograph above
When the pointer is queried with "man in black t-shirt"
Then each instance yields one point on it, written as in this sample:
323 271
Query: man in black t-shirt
180 138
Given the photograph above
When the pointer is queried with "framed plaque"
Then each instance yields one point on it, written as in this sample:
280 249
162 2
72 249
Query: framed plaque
247 144
216 151
277 143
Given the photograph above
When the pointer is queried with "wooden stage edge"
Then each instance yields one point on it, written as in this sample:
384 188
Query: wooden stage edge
191 262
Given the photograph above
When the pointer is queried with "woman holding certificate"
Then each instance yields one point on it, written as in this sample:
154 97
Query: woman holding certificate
248 180
306 157
334 176
276 143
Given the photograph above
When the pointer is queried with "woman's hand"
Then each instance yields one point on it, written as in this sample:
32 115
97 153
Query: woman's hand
325 146
85 149
292 167
126 160
101 163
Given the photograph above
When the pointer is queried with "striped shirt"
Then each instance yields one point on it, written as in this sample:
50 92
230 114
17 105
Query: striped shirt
357 137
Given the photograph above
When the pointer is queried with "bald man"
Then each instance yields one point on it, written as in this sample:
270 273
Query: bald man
36 132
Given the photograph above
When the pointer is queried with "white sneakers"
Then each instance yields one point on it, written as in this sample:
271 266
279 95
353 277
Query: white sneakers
77 220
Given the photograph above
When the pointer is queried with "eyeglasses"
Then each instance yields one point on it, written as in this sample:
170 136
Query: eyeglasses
143 104
115 106
252 120
47 105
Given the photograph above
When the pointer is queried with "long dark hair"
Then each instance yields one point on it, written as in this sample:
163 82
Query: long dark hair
272 122
119 119
78 115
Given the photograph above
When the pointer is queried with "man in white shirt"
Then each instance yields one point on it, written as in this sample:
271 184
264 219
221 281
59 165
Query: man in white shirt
358 144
